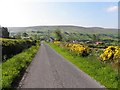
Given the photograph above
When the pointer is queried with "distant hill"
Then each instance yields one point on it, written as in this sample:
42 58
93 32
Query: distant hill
69 28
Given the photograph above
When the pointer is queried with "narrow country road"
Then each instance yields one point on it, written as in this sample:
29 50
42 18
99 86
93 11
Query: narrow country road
50 70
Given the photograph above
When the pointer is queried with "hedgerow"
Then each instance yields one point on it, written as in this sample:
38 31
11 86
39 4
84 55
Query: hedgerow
11 47
12 68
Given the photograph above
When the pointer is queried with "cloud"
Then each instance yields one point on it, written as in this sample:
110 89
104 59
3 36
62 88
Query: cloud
112 9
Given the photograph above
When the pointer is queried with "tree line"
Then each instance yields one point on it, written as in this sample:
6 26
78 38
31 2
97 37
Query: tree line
4 33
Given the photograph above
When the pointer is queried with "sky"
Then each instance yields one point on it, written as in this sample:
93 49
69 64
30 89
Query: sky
35 13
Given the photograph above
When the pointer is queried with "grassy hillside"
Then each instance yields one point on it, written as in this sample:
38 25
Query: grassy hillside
92 30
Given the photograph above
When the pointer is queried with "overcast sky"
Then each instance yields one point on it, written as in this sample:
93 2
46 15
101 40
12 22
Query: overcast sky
90 14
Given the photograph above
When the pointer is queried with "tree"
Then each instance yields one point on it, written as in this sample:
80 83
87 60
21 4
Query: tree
4 32
59 35
25 34
96 37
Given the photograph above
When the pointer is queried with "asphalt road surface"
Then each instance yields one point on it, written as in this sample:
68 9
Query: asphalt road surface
50 70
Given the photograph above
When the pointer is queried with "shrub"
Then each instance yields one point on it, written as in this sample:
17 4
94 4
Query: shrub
12 47
111 53
78 49
56 42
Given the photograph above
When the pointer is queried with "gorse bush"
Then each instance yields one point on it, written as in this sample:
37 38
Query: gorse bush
111 53
78 49
12 68
56 42
75 48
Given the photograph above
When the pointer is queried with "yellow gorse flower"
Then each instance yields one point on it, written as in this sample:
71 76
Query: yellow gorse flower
56 42
111 53
78 48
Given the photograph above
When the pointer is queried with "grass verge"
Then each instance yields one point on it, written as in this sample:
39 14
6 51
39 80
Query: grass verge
12 68
101 72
